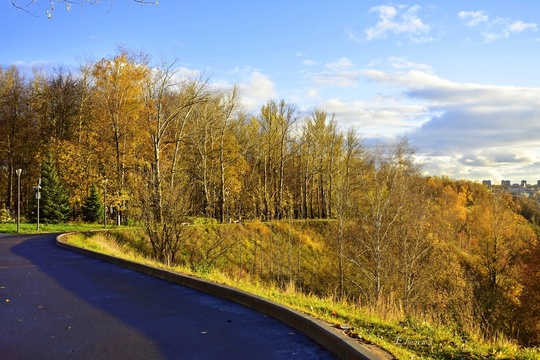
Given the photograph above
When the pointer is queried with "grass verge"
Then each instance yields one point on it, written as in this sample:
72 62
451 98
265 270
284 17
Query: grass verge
404 339
28 228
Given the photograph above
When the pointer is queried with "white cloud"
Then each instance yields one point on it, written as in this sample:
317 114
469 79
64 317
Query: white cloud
340 63
256 88
341 78
309 62
312 93
406 23
497 125
496 29
410 79
402 63
519 26
490 37
377 118
339 73
183 72
38 64
462 130
473 18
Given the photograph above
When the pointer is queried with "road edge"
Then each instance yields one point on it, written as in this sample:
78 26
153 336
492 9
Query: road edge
322 333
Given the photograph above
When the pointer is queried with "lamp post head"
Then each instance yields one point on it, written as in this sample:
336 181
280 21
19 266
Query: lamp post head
18 171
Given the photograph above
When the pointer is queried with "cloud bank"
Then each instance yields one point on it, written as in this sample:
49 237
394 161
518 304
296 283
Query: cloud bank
462 130
481 129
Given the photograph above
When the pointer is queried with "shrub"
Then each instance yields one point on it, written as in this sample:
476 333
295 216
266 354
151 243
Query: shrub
203 221
5 216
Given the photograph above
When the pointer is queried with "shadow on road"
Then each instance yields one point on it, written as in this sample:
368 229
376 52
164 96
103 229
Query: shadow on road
65 305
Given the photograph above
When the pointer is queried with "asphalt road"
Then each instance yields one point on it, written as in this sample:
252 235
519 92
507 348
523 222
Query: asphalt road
56 304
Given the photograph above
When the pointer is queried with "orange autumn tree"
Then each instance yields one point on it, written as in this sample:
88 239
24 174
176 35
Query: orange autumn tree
500 238
528 314
450 296
216 146
118 94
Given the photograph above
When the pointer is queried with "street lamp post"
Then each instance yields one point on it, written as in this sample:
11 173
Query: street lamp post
18 171
105 205
38 197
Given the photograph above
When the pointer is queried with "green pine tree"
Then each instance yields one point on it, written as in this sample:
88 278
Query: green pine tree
54 205
92 210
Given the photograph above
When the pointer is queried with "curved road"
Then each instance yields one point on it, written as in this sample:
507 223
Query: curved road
57 304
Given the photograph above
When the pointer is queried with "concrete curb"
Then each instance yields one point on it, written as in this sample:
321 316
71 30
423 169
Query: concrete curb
325 335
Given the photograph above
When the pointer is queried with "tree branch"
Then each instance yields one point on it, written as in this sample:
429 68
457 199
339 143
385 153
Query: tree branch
25 6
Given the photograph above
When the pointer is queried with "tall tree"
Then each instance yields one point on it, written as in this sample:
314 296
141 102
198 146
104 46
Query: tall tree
169 101
92 209
17 143
415 246
324 146
381 204
500 239
118 105
276 123
162 190
228 148
527 318
56 98
54 204
348 181
216 145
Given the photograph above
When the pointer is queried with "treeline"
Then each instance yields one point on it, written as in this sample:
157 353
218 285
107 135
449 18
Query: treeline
146 127
161 148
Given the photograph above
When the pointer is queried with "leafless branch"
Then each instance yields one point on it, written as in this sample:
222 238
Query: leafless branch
49 10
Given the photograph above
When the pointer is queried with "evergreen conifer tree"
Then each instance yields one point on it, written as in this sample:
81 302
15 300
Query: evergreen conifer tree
54 205
92 210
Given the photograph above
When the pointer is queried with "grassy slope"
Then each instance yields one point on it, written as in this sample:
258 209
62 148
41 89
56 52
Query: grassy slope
404 338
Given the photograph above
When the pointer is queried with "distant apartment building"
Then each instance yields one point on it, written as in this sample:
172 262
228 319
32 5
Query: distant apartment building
518 188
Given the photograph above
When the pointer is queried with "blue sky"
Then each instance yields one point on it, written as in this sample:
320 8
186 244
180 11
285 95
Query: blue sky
459 79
